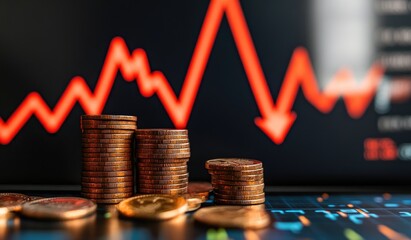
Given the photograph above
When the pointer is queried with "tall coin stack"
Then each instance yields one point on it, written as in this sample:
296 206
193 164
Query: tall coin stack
237 181
107 147
162 161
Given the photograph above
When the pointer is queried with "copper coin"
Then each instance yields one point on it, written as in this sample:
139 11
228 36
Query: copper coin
162 132
162 186
163 141
107 185
106 168
233 164
107 174
107 131
109 117
107 201
163 177
161 161
162 191
107 195
107 159
160 165
167 173
115 163
163 146
236 173
108 126
106 145
162 150
240 188
199 187
240 202
106 179
239 178
160 181
161 137
12 201
105 141
106 122
238 193
235 183
107 150
240 197
162 169
161 156
106 190
108 135
100 155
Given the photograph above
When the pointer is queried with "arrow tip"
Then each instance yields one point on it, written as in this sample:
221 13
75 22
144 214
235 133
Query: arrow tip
276 125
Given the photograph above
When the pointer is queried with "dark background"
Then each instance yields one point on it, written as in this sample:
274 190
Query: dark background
44 44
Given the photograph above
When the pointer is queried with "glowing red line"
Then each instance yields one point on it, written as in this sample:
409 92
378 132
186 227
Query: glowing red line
276 119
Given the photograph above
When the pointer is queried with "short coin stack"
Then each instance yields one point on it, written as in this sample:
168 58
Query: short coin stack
162 161
107 146
237 181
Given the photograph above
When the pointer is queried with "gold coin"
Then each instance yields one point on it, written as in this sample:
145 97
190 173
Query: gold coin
107 195
233 217
107 190
165 161
163 150
159 182
233 164
162 132
240 197
163 177
106 155
157 173
162 156
107 185
239 202
59 208
154 206
109 117
162 141
235 183
106 145
12 202
163 191
162 169
162 186
107 179
194 203
107 150
162 146
126 136
107 168
106 141
107 174
240 188
236 173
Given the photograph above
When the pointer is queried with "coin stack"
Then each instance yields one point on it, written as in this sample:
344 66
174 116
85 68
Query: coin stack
107 146
237 181
162 160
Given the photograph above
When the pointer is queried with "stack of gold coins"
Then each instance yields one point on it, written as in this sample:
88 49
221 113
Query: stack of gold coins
107 147
237 181
162 161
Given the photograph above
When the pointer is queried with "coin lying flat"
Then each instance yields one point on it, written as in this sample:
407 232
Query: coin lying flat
233 217
59 208
107 195
163 182
12 201
107 168
236 173
107 179
163 191
239 202
233 164
107 174
155 206
107 190
109 117
162 146
194 203
240 178
199 189
143 141
258 196
165 161
183 132
163 177
238 183
163 186
107 185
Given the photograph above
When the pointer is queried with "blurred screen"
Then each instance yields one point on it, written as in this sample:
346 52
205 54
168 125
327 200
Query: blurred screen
318 90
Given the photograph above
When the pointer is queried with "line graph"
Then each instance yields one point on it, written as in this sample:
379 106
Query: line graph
276 119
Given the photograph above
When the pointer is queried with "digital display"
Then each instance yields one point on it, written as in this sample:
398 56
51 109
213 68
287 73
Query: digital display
318 90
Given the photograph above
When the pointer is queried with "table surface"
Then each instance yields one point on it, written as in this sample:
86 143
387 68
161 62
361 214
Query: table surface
296 216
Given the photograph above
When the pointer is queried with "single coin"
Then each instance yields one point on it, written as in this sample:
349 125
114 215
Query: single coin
162 186
165 161
162 169
239 202
111 163
153 206
162 191
199 187
240 188
107 195
120 160
160 165
106 155
233 217
161 156
233 164
107 185
106 145
159 182
107 174
126 136
107 150
239 178
237 192
194 203
106 179
240 197
106 141
107 201
161 137
59 208
108 126
235 183
107 131
162 146
162 132
12 201
109 117
162 177
163 150
236 173
32 198
107 190
145 172
107 168
106 122
162 141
